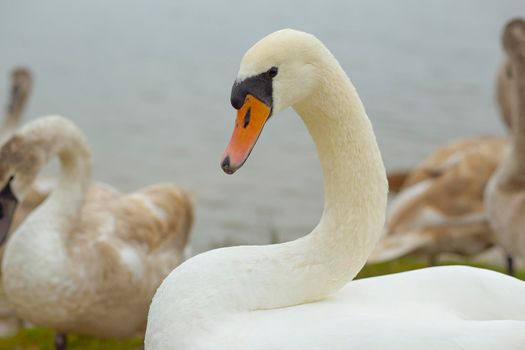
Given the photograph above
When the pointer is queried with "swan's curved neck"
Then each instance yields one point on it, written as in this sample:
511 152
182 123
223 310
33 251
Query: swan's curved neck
355 191
207 289
56 137
355 186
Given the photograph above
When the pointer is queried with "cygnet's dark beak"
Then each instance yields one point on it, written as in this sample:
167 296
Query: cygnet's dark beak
8 204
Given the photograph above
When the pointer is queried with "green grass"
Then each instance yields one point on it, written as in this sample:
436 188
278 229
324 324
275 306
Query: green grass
42 339
407 264
39 339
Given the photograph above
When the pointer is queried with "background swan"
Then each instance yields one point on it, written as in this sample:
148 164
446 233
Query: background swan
505 197
440 205
89 259
296 295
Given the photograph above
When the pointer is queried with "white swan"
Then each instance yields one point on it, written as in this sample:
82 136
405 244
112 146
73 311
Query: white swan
296 295
89 259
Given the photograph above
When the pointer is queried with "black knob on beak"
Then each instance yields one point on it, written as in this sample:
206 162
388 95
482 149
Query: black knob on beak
238 95
237 101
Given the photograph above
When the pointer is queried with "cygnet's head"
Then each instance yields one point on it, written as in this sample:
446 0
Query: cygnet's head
21 158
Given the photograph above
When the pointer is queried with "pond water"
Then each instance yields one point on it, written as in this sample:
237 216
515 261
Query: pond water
149 83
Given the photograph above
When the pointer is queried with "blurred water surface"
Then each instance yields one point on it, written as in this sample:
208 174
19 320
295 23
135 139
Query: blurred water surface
149 83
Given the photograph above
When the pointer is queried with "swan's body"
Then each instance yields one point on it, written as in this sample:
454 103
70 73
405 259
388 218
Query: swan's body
88 260
296 295
505 197
400 312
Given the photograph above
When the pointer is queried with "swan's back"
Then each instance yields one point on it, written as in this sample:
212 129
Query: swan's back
115 256
378 333
434 308
140 236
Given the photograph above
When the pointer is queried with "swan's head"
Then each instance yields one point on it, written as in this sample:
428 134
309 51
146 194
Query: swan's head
277 72
20 162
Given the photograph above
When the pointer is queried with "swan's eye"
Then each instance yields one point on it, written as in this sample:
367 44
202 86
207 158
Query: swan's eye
272 72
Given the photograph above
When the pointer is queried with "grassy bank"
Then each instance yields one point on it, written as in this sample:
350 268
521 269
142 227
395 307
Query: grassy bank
39 339
42 339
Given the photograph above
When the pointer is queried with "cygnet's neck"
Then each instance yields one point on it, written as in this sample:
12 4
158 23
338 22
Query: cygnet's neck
14 110
58 137
512 171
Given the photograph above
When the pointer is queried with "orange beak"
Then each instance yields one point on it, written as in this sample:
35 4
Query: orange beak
250 121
